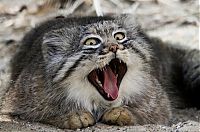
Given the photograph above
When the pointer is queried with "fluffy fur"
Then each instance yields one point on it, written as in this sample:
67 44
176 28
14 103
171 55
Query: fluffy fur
51 67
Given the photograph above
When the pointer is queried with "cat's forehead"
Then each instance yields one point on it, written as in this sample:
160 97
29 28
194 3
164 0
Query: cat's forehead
101 27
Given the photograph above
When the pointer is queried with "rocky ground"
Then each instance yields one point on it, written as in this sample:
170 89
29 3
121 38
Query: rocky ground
176 21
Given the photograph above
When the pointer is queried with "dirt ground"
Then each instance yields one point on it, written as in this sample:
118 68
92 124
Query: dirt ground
176 21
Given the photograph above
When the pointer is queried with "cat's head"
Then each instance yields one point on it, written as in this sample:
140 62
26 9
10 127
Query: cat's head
97 57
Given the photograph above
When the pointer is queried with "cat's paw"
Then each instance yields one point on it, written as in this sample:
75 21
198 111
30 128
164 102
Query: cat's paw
118 116
79 119
73 120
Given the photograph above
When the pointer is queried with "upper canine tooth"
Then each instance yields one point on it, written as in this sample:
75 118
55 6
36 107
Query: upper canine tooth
108 95
116 75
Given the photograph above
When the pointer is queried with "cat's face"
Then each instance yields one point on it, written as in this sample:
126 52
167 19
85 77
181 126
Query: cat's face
98 60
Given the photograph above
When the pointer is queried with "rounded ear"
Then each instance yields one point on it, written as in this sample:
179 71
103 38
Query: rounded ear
131 20
128 20
55 44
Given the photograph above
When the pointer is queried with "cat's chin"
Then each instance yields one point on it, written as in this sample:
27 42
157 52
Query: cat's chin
107 80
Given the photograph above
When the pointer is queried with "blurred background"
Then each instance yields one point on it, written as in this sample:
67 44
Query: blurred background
175 21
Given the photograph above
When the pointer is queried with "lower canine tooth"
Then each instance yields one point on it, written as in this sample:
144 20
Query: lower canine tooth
100 85
99 82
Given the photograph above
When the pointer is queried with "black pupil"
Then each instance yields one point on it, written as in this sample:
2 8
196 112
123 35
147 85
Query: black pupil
91 43
119 36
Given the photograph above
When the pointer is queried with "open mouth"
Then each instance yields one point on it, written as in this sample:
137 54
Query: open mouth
107 79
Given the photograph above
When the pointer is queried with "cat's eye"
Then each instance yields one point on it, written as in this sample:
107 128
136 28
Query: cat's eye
91 41
119 36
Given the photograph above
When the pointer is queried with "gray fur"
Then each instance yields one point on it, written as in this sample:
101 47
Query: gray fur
50 72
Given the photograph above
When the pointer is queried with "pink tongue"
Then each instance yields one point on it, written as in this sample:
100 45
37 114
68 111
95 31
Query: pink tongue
110 83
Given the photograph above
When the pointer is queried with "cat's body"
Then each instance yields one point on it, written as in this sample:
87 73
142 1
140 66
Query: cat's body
73 72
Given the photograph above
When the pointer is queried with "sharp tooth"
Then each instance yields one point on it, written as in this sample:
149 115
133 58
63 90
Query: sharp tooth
108 95
99 82
120 61
116 75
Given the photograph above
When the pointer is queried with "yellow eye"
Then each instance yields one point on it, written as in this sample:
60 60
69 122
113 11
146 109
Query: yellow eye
91 41
119 36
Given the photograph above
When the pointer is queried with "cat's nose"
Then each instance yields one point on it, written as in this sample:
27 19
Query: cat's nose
114 48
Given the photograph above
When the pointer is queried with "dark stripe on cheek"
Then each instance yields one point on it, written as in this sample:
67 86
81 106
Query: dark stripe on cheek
137 51
89 52
60 67
90 49
72 68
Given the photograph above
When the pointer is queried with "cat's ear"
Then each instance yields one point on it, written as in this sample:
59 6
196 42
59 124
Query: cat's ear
55 44
129 21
